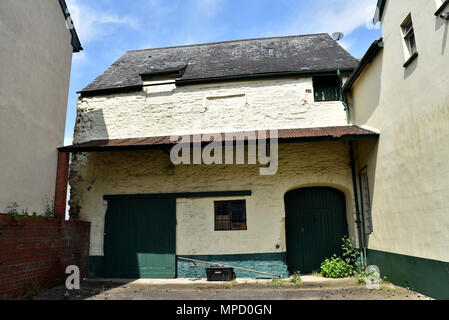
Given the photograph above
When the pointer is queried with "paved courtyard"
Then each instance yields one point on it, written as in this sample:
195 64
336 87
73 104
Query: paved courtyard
311 288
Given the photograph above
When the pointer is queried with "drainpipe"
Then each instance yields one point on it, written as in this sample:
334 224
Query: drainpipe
363 213
343 98
357 210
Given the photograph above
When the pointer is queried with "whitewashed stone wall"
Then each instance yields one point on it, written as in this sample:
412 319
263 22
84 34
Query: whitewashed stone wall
300 165
167 110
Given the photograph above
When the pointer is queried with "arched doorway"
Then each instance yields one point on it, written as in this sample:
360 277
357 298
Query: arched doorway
315 223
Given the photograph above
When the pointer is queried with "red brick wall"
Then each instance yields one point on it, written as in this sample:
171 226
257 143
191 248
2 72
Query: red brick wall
35 252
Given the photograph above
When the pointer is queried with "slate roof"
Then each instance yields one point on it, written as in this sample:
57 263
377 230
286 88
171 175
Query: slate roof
241 58
342 133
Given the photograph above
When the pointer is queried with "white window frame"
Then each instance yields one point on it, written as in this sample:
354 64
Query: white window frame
408 33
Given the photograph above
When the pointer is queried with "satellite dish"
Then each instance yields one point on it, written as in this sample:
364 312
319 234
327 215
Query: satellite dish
338 36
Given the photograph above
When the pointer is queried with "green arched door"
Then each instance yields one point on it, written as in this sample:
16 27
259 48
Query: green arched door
315 224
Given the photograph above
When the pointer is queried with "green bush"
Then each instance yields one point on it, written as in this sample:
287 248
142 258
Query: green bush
345 266
335 267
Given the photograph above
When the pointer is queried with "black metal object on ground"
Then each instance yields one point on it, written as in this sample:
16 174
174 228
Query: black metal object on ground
220 274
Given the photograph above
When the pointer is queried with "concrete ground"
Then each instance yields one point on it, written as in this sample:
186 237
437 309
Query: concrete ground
311 288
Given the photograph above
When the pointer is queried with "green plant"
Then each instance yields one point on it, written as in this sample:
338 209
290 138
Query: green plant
11 210
294 281
335 267
25 213
277 282
31 290
296 278
345 266
49 212
361 277
350 254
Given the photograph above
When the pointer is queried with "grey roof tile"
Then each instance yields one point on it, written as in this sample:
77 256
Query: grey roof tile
304 53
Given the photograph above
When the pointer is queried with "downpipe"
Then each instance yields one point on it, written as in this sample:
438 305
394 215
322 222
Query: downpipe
357 209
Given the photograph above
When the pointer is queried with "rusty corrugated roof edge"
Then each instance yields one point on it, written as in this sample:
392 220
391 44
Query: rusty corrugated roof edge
341 133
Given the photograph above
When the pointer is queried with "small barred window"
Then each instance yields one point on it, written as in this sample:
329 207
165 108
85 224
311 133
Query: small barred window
230 215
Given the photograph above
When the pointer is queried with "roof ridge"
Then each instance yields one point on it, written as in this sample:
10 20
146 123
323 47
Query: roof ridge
231 41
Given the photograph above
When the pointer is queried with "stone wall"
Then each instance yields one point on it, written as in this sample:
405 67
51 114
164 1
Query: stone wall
147 172
168 110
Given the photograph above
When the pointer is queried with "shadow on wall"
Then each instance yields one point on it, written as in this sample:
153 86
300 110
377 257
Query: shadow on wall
367 152
439 23
410 69
373 84
90 125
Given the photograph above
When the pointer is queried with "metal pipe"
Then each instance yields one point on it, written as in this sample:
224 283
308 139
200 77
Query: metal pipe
356 197
343 98
363 213
225 266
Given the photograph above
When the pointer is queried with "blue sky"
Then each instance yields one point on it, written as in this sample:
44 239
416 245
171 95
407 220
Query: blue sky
109 28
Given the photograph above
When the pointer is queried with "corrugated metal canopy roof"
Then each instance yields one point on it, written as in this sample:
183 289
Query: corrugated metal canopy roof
343 133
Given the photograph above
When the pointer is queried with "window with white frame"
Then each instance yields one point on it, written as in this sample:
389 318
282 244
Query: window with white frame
409 36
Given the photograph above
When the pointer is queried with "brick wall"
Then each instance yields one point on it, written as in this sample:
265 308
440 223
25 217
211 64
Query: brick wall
35 252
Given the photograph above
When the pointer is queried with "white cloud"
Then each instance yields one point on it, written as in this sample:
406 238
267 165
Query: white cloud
208 8
335 15
346 44
80 58
91 24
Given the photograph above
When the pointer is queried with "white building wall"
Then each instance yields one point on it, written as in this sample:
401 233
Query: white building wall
212 108
35 62
207 108
408 168
146 172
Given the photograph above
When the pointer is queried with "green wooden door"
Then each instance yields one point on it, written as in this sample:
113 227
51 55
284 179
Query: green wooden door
315 224
139 238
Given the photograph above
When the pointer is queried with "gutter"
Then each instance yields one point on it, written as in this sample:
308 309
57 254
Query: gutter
343 98
379 11
366 60
180 82
107 91
441 9
76 43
